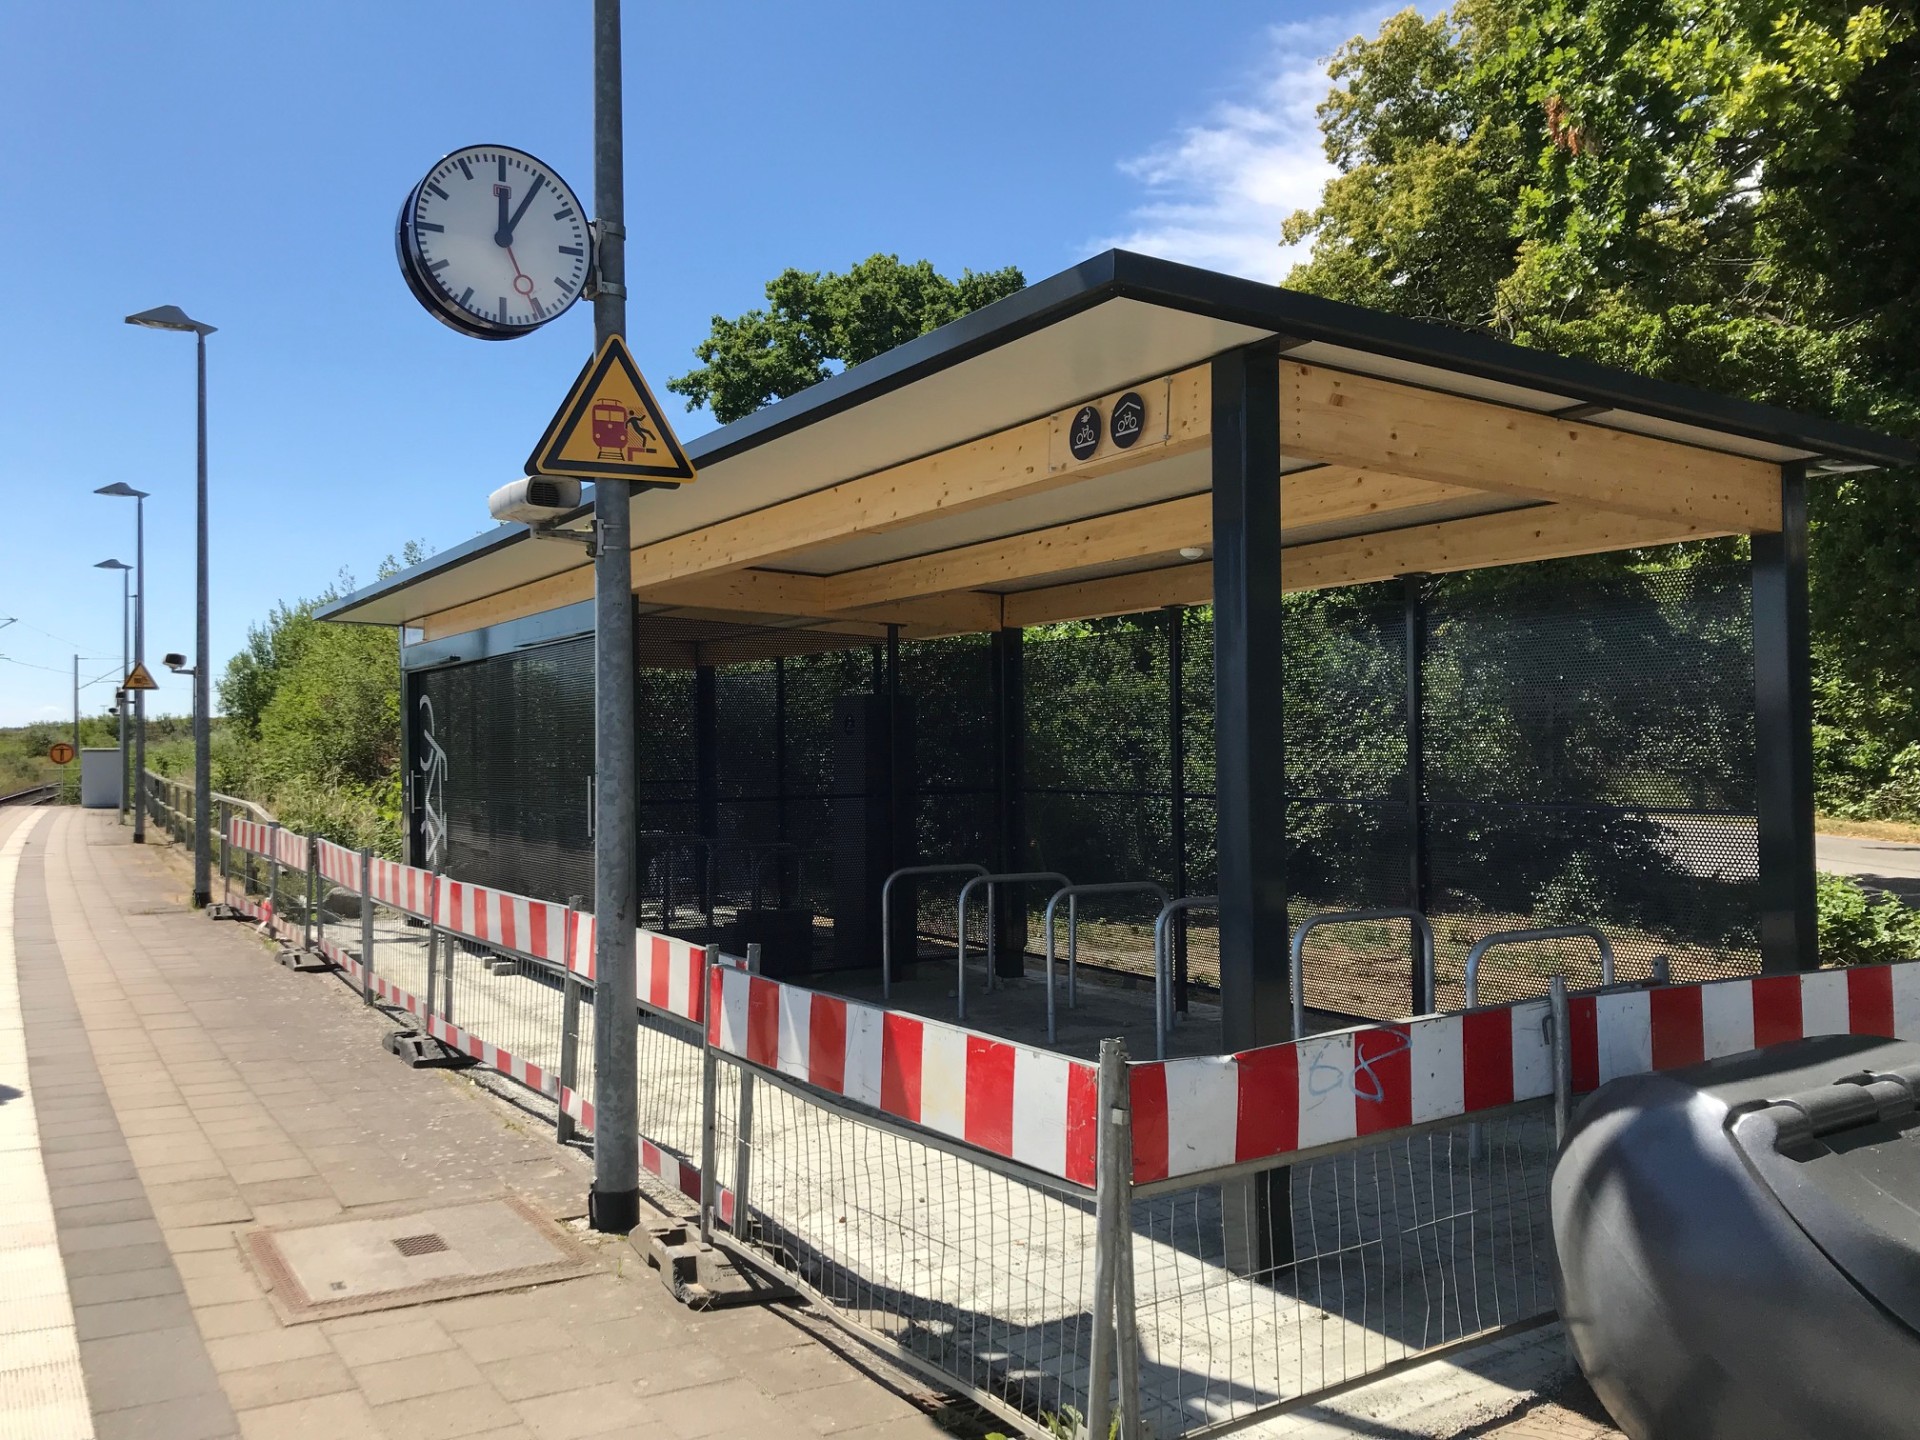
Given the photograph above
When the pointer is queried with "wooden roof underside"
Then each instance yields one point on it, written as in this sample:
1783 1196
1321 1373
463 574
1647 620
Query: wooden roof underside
1379 478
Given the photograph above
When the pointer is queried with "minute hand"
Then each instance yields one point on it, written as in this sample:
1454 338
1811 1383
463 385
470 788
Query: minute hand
513 224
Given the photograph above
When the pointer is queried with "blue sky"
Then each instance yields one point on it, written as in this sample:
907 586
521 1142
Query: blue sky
246 161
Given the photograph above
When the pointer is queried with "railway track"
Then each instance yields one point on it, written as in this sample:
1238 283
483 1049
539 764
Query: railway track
33 795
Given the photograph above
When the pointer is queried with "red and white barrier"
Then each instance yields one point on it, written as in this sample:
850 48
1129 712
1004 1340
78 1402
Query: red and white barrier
1028 1105
290 849
251 836
403 887
339 865
682 1175
1202 1114
670 972
495 917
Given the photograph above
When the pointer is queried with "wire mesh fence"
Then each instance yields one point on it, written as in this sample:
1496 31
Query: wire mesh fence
972 1272
1279 1284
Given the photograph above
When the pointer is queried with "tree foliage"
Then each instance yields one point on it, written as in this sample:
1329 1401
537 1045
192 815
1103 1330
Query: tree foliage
816 324
1715 192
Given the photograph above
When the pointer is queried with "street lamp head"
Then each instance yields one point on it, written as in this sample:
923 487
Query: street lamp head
168 317
120 487
112 565
177 663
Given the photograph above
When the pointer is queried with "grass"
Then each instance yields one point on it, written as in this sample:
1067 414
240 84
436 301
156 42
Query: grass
1868 829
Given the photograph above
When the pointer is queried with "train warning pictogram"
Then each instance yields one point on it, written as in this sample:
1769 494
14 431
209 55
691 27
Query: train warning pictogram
610 428
139 678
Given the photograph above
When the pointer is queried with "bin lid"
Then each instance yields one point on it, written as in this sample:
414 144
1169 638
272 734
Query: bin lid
1831 1125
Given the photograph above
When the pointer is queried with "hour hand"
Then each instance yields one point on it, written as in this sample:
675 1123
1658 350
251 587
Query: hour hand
526 200
503 229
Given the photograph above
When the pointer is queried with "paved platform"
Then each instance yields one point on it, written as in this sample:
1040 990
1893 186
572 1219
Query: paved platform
189 1091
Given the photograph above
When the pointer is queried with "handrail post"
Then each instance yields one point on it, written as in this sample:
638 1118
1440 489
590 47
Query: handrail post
1297 966
1524 937
313 892
366 926
226 857
273 876
886 903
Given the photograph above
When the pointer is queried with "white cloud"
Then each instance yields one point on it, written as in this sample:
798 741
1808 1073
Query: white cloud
1217 191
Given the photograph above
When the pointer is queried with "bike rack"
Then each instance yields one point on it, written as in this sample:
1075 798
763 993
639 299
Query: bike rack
1522 937
990 881
1423 980
1073 894
886 912
1163 965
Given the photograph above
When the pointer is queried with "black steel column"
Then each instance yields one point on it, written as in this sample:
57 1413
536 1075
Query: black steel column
1249 763
706 777
1783 723
785 898
1177 768
1419 883
1010 728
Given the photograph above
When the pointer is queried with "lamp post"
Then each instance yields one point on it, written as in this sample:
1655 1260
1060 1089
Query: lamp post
172 317
139 498
119 695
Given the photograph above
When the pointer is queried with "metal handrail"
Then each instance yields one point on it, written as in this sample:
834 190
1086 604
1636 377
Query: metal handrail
1523 937
1163 965
990 881
886 912
1423 981
1073 894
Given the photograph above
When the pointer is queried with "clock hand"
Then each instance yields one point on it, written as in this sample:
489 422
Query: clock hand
514 223
503 230
522 283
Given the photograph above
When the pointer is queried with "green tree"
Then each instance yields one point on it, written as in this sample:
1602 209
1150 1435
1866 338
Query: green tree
816 324
1715 192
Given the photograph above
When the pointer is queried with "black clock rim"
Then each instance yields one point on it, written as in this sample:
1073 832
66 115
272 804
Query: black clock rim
432 299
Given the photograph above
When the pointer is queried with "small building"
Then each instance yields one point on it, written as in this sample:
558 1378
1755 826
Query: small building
1012 594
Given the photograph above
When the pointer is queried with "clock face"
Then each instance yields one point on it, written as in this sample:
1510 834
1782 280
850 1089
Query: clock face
493 243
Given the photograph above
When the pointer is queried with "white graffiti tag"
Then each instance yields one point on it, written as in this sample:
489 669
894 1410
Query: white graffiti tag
433 797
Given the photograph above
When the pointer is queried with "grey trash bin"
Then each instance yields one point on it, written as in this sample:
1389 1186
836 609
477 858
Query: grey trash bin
1738 1244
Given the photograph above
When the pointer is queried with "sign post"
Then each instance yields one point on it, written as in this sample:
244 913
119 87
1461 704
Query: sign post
614 1205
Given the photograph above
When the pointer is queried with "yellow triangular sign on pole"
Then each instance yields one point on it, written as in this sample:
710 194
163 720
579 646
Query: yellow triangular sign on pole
139 679
610 427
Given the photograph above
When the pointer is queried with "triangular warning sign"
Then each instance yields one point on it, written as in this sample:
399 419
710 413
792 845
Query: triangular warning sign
610 427
138 678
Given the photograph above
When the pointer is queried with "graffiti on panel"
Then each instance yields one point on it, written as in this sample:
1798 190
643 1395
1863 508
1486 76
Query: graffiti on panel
433 791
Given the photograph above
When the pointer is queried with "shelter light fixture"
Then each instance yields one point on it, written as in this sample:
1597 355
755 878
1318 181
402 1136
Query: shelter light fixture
1192 552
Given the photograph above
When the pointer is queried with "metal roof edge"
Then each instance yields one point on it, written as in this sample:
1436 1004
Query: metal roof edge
1301 316
482 544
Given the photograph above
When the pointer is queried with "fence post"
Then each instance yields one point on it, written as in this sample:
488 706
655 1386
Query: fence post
563 1127
226 857
709 1095
313 892
1114 1335
366 927
433 942
273 876
1560 1022
743 1139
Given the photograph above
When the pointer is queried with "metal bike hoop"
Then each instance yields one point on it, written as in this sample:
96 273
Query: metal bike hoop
886 911
1523 937
1072 894
1423 982
1163 965
960 959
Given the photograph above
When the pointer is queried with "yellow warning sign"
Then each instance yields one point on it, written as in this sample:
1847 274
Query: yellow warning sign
610 427
139 679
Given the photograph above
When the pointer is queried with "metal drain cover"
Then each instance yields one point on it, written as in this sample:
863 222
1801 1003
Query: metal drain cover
379 1262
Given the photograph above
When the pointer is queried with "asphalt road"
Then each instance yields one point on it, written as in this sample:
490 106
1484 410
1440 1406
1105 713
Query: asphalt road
1884 864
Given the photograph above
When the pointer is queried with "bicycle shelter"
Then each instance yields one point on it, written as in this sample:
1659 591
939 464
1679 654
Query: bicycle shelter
849 627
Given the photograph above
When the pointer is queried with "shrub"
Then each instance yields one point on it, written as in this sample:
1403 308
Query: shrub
1861 929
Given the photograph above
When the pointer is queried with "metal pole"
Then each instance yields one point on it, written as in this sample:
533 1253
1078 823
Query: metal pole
203 659
1414 604
743 1136
614 1206
366 927
226 849
76 709
1783 721
140 658
563 1126
120 694
1560 1026
1177 774
709 1119
1110 1203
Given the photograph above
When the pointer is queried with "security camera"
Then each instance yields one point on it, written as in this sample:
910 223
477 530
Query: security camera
536 500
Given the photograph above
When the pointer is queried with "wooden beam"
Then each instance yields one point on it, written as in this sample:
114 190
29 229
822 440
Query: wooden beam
1376 424
1023 460
1309 497
567 588
1542 532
